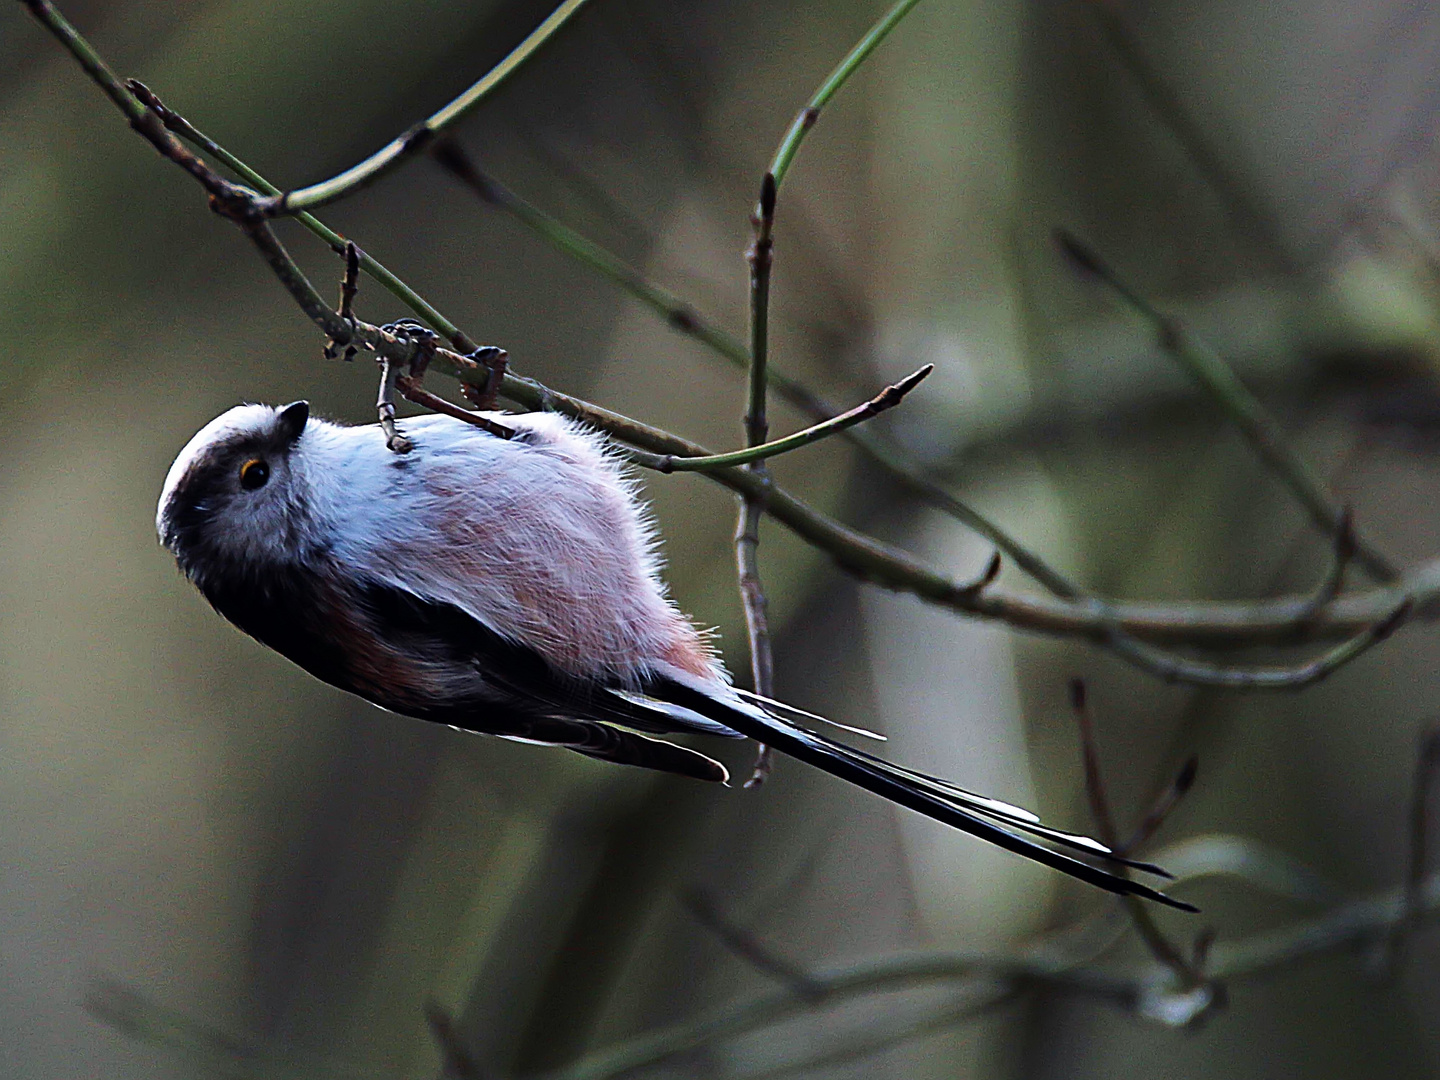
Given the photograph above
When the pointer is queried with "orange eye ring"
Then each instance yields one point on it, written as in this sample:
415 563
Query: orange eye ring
253 474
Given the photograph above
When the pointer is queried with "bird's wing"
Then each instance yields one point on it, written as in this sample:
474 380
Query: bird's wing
489 685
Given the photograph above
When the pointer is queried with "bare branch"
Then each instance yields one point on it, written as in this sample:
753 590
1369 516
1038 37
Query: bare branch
411 390
752 504
1260 429
1155 940
417 138
1170 798
349 287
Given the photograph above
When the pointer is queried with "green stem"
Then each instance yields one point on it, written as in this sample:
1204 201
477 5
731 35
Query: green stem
334 240
886 399
415 140
807 116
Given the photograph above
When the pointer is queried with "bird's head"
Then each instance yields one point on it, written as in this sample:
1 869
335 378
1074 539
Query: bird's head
235 498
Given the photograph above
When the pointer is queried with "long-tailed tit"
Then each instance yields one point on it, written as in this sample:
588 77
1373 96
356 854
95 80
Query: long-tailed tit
504 586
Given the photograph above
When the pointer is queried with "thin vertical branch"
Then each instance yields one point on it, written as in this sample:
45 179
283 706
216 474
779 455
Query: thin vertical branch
757 429
761 258
349 288
1170 798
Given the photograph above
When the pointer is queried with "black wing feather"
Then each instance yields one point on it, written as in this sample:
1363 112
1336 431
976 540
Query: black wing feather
521 696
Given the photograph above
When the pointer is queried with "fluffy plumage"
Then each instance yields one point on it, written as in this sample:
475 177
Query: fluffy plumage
508 587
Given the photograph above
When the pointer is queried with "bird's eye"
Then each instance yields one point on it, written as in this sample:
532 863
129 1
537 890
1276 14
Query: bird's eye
253 474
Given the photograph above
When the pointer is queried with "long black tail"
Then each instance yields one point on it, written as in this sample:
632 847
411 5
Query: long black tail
988 819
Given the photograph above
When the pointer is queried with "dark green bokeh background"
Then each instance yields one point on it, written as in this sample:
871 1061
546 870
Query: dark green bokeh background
185 813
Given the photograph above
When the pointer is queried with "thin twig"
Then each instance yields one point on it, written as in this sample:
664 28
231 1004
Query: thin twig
1216 377
1179 669
453 158
181 127
411 390
417 138
752 505
1150 933
887 399
1342 553
1170 798
349 287
747 946
806 118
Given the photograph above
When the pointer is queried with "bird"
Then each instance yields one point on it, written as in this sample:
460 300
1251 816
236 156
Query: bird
509 587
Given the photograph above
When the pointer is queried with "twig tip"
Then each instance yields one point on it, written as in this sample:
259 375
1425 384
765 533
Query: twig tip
914 379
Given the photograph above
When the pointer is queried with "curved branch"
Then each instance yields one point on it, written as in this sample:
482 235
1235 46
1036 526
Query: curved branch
414 141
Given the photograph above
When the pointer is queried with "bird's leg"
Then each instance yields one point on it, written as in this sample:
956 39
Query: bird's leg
494 359
425 339
426 342
385 407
